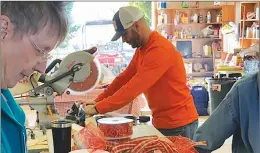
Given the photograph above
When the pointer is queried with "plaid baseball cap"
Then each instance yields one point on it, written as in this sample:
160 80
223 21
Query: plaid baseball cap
124 18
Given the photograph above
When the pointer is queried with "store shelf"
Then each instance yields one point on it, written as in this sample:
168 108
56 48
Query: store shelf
165 24
190 39
185 9
245 23
194 39
219 51
217 38
250 20
249 2
228 14
212 23
249 38
200 74
180 24
197 58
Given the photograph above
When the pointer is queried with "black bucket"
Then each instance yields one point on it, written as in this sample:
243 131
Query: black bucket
218 89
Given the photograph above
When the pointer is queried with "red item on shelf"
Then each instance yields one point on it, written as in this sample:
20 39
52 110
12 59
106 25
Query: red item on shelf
216 30
197 4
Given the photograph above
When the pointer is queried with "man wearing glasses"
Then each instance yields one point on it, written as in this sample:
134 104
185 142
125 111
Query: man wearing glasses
29 31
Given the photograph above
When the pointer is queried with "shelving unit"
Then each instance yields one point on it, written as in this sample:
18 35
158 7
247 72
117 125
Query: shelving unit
228 14
249 38
203 8
172 24
196 39
247 35
248 20
200 74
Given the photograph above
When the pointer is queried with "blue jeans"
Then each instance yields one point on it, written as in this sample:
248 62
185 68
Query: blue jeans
185 131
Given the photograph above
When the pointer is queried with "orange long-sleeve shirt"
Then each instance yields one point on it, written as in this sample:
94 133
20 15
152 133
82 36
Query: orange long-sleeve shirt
157 70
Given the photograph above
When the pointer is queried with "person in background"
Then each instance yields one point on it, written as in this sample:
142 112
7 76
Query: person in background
157 70
29 31
237 115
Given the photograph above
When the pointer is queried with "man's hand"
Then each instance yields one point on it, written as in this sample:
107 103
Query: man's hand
91 110
87 102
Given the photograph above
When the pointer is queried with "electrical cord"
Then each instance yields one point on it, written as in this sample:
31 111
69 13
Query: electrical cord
30 79
30 133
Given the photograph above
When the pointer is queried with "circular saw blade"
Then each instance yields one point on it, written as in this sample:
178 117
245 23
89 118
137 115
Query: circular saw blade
79 88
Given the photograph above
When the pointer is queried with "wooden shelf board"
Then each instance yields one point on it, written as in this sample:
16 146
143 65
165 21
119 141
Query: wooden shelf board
215 23
183 9
165 24
200 74
249 2
197 58
249 38
212 23
209 72
190 39
250 20
194 39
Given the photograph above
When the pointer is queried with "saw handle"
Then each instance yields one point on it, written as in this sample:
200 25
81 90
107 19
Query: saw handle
53 63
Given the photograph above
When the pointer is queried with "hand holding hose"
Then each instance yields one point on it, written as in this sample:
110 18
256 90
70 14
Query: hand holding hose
91 110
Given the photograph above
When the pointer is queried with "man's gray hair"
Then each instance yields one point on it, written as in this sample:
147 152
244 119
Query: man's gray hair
30 17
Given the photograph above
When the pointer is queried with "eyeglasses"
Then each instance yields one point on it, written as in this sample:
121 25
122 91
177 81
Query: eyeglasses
43 55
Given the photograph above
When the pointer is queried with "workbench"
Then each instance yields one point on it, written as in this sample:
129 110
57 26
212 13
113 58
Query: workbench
46 141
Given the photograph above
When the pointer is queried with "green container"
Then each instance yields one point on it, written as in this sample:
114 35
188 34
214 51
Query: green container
218 88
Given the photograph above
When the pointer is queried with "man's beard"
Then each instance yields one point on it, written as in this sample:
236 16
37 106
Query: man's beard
135 42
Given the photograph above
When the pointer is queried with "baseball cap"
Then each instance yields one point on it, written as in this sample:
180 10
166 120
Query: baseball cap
124 18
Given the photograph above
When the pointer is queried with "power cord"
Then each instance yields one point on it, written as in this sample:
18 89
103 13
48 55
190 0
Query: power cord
30 133
30 79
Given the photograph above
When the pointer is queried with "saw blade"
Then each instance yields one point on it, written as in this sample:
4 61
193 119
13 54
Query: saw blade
79 88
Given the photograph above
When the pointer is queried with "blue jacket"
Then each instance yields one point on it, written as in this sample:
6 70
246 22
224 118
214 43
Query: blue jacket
237 115
13 132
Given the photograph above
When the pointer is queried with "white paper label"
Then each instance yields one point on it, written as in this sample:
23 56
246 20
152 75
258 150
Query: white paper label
216 87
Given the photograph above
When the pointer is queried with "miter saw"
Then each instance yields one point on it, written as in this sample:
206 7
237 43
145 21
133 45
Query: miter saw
77 73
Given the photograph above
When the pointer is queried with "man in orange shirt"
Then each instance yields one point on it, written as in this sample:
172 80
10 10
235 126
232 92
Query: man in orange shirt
157 70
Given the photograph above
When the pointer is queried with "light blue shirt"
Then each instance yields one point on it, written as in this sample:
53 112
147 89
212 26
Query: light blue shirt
237 115
13 132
